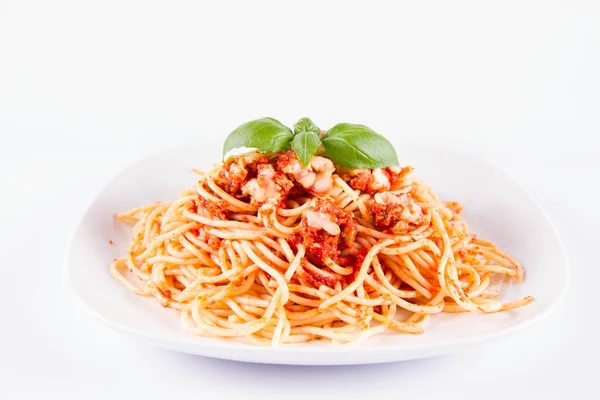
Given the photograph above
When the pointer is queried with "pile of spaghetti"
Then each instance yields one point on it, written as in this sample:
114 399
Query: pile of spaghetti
278 252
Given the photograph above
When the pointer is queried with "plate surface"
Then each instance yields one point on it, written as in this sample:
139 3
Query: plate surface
495 207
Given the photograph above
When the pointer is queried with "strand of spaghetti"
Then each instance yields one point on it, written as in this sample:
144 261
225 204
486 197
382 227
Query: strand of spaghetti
246 284
191 272
511 259
344 186
158 274
236 235
320 318
274 244
337 268
428 271
138 210
239 311
235 260
151 224
351 321
497 259
303 300
251 301
293 266
170 211
286 249
461 244
408 264
343 201
209 279
475 277
428 262
172 260
451 289
219 223
243 329
205 291
363 336
400 302
361 301
277 335
289 212
190 326
270 256
516 304
495 268
224 261
173 250
232 201
114 271
181 278
406 294
289 221
270 219
287 329
485 306
328 333
212 319
400 326
244 260
365 242
164 300
245 218
266 285
313 269
490 294
417 234
362 207
200 244
359 278
161 238
198 253
268 269
409 248
406 278
418 319
199 186
300 315
222 294
320 295
133 267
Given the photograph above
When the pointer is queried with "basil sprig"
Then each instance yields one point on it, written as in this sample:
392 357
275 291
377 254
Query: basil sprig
348 145
305 145
358 146
265 134
305 125
306 140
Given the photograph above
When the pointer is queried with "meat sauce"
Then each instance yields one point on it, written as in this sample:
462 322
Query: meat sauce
236 173
325 229
376 180
396 213
218 210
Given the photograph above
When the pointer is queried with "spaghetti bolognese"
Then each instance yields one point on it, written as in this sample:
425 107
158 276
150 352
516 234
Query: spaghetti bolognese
282 248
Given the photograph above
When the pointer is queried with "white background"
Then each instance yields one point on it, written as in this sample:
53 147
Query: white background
87 87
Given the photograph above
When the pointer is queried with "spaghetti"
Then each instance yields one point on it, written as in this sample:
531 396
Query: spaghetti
277 252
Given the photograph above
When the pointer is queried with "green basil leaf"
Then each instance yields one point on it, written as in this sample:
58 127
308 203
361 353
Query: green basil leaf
305 145
358 146
306 125
265 134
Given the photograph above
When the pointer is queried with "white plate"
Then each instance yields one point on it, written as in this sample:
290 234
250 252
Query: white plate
495 207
